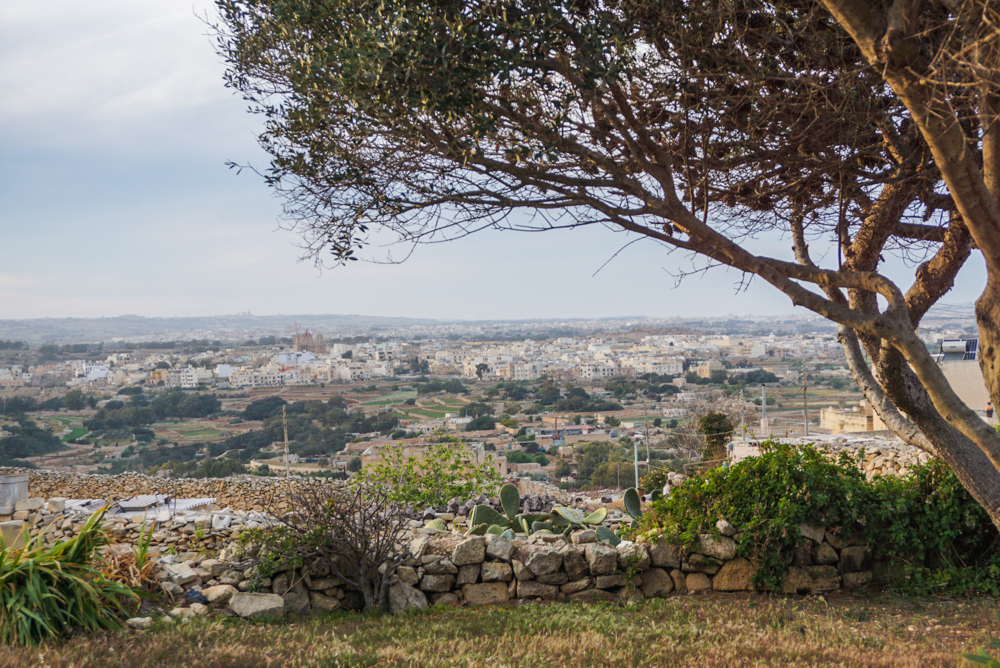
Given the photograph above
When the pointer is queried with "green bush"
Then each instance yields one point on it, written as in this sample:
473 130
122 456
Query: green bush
925 523
46 592
767 498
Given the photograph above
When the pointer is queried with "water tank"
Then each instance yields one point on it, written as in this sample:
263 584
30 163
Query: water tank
13 488
953 346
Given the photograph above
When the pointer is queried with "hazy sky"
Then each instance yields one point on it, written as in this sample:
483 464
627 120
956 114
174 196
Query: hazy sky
114 198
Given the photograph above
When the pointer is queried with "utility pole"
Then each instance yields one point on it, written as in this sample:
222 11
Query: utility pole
284 422
805 397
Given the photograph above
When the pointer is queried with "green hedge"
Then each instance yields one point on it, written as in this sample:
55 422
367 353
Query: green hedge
926 523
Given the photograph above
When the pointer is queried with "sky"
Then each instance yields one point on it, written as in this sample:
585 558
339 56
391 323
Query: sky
115 198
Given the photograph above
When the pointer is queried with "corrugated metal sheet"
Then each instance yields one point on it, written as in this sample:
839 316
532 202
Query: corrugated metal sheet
189 504
142 501
85 505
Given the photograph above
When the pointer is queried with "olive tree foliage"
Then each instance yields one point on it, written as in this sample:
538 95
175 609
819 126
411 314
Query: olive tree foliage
861 126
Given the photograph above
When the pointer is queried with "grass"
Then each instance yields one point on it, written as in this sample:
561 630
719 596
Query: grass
75 434
426 413
716 630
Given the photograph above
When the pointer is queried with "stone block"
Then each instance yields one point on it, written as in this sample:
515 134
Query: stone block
574 563
30 505
584 537
219 594
56 504
577 585
803 552
810 580
182 574
297 600
139 623
499 547
449 599
214 566
610 581
14 533
812 532
594 596
725 528
257 606
835 541
403 597
323 602
663 555
435 582
521 572
470 551
543 560
602 559
853 559
486 593
855 580
496 571
532 589
632 556
441 567
697 562
825 555
656 582
557 578
467 574
680 580
280 584
698 582
407 575
722 548
735 575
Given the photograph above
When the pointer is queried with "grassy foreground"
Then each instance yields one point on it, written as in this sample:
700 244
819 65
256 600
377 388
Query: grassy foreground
715 630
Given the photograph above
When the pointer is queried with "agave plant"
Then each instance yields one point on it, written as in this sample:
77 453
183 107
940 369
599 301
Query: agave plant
45 592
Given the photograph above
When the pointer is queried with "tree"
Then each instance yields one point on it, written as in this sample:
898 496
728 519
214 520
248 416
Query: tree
74 400
481 369
562 469
864 129
718 431
354 464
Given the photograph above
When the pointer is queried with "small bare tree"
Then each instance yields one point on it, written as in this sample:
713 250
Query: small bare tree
356 529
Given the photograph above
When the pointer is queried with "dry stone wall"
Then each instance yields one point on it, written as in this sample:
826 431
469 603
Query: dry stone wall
247 493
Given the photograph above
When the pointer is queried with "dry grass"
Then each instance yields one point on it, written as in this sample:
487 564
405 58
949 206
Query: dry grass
736 630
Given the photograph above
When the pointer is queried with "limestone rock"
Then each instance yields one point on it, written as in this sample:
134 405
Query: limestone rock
219 594
406 574
825 555
725 528
602 559
574 563
855 580
532 589
735 575
322 602
543 560
435 582
499 547
698 582
470 551
632 556
296 600
576 585
812 532
810 580
656 582
521 572
853 559
722 548
257 606
139 623
486 593
609 581
403 597
441 567
181 573
594 596
467 574
496 571
56 504
663 555
584 537
680 580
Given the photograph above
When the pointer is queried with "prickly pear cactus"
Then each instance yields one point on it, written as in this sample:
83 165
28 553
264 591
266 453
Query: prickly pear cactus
596 517
510 500
632 504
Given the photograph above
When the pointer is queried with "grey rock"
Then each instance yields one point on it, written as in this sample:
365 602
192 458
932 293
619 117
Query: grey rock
602 559
441 567
853 559
435 582
722 548
532 589
470 551
656 582
496 571
499 547
467 574
543 560
725 528
574 563
486 593
181 573
219 594
632 556
323 602
407 575
584 537
403 597
576 585
521 572
257 606
663 555
825 554
812 532
139 623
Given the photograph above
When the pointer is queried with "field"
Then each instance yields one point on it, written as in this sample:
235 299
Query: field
716 630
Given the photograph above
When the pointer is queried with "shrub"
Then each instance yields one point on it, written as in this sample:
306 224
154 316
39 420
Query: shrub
443 473
767 497
46 592
357 530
